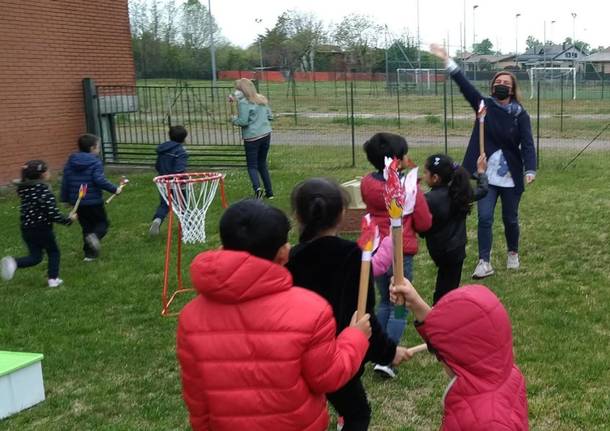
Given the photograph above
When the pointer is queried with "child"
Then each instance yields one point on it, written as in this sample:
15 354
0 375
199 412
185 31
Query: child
38 213
330 266
254 116
450 200
380 146
171 159
257 353
470 332
85 167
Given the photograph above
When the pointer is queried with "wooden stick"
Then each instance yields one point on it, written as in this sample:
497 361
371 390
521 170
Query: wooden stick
75 208
416 349
363 289
123 183
398 266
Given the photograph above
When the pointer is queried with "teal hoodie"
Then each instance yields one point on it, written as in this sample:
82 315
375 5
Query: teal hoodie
252 118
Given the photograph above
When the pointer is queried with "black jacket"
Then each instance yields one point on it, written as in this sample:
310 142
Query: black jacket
38 206
330 266
448 231
503 131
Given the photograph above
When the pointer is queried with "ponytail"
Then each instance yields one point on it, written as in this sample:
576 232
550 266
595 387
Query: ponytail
318 204
456 178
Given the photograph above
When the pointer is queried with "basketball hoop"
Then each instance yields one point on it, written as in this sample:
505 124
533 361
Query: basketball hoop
189 197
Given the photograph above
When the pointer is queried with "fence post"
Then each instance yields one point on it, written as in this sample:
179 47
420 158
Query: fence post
353 126
538 127
451 95
398 103
92 119
294 99
561 109
603 78
435 81
445 113
346 99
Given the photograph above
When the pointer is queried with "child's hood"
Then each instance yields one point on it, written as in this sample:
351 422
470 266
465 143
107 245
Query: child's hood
81 161
470 331
236 276
167 146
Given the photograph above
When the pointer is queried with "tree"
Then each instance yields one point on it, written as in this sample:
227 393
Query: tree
485 47
533 44
359 35
578 44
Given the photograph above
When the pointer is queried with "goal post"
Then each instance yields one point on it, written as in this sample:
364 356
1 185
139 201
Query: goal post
416 77
546 74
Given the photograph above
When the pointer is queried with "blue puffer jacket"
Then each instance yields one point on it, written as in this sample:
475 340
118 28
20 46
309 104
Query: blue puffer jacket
171 158
85 168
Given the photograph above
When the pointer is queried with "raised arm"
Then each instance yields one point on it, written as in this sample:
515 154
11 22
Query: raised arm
470 92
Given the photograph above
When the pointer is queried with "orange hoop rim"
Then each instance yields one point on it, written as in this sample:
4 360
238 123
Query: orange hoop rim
189 177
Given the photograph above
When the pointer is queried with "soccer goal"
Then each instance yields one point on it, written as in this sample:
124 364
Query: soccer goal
416 77
552 78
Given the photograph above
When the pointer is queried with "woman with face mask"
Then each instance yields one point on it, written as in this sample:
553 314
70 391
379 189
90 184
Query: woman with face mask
511 163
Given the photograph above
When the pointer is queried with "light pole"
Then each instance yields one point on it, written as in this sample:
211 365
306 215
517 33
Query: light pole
465 43
517 15
552 23
260 45
212 48
418 42
474 34
574 28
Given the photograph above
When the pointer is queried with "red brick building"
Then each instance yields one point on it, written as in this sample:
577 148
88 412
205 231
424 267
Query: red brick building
46 48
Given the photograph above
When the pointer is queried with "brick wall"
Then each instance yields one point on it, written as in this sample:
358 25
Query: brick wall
46 48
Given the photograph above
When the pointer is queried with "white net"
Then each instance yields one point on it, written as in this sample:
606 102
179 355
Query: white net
416 78
553 82
189 196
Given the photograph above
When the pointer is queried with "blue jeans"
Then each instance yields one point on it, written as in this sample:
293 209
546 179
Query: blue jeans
392 325
162 209
256 160
510 216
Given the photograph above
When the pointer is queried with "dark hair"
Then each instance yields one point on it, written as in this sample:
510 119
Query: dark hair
178 134
318 204
33 170
253 226
382 145
457 178
516 93
87 142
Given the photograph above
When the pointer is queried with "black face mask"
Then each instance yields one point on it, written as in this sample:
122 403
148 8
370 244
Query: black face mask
501 92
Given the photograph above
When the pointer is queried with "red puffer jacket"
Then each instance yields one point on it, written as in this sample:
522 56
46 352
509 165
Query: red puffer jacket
372 191
471 332
257 353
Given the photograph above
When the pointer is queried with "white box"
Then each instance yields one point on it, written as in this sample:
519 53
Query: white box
21 384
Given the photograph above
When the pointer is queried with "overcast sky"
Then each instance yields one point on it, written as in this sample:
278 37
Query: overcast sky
438 20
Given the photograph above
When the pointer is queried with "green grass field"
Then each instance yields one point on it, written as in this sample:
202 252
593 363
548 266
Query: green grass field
110 357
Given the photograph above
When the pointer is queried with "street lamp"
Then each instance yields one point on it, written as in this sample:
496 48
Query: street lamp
573 28
552 23
517 15
212 48
474 34
260 44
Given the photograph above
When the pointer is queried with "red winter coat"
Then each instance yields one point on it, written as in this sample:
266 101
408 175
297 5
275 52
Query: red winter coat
372 191
257 353
471 332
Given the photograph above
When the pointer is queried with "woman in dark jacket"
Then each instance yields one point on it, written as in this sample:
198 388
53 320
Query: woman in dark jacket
511 156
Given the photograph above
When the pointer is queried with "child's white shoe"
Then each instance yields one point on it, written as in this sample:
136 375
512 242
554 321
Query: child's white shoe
512 260
155 227
8 266
55 282
483 269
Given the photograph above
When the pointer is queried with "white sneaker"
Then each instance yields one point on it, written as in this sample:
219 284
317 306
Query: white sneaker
482 270
385 371
154 227
9 266
93 241
55 282
512 260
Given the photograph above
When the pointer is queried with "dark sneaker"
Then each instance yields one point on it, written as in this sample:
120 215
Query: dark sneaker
258 194
385 371
93 241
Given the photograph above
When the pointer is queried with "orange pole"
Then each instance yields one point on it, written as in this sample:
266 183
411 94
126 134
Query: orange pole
179 263
168 250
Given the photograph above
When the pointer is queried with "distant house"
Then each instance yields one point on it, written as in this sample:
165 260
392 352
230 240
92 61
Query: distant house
489 62
552 56
600 61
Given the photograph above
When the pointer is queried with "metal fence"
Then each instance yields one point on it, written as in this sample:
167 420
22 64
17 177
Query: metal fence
340 115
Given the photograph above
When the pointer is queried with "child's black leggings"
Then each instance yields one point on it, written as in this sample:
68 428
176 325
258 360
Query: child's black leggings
39 240
449 271
351 402
92 219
